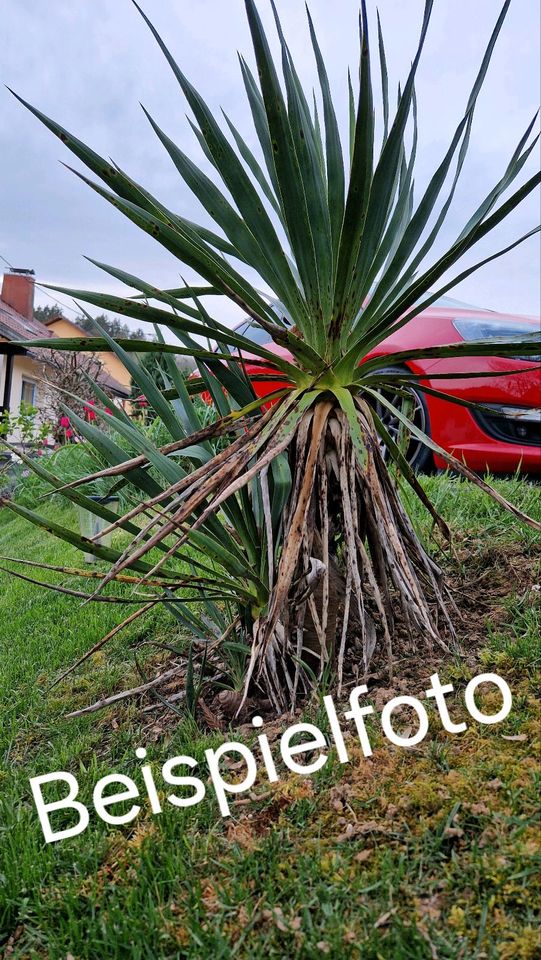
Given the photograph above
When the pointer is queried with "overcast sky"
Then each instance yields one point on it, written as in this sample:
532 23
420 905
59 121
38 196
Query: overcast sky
88 63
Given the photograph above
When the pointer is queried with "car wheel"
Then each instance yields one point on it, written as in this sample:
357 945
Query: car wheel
417 454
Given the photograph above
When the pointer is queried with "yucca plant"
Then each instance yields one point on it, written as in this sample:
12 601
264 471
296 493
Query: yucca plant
311 551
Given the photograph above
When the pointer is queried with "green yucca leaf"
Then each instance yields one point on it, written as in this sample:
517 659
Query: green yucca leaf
318 136
118 181
383 184
69 536
396 316
84 574
294 202
312 176
102 345
408 376
400 217
389 321
402 382
145 382
408 472
384 80
527 345
459 401
352 116
240 187
236 227
218 377
182 404
138 598
188 620
148 291
516 163
177 293
253 166
347 404
102 397
183 242
333 147
479 229
449 459
202 142
461 137
259 118
360 184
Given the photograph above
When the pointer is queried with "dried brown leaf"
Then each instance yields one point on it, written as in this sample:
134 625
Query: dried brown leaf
383 921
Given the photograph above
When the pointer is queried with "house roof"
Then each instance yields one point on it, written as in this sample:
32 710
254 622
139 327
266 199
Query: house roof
13 326
106 380
51 320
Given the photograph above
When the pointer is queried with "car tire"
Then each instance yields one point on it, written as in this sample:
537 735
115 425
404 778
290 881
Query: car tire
418 455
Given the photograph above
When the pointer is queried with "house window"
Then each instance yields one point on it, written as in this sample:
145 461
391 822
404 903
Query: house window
28 392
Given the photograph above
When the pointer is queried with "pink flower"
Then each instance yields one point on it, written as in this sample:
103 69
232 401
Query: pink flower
69 432
64 421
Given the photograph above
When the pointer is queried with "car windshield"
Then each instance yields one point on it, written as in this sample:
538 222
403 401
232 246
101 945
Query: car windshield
476 328
451 302
253 332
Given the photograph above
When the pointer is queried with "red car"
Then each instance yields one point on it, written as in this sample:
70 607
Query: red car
502 439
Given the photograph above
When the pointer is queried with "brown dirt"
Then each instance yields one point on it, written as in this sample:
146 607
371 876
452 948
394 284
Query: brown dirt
480 579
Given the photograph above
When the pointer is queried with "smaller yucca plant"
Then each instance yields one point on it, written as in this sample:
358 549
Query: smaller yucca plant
300 510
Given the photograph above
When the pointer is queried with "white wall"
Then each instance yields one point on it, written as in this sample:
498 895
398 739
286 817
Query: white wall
25 368
3 359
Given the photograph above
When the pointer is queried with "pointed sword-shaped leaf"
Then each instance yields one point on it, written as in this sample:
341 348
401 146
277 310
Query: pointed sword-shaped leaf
333 146
360 185
289 178
383 185
237 181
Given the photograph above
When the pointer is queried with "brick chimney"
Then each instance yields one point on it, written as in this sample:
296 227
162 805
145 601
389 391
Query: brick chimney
18 291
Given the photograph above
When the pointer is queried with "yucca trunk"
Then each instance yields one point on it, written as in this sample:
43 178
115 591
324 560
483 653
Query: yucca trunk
352 566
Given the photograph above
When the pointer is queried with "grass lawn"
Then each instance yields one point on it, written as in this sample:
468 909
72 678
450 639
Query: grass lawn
432 852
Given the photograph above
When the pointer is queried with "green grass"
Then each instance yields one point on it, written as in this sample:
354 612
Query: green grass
442 861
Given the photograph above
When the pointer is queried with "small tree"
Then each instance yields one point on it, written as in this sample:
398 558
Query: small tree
69 378
28 426
45 314
115 328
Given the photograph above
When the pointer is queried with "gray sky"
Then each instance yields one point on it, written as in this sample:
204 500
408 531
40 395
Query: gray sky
88 63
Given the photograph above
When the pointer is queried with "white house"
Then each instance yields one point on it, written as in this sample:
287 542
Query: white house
22 369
